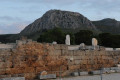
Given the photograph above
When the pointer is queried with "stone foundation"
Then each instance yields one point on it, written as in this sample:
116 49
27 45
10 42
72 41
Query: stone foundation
29 59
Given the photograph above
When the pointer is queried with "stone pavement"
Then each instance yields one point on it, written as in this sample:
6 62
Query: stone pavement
113 76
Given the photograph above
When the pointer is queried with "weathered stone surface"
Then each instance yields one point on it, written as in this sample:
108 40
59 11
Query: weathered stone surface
112 71
48 76
83 73
75 74
118 65
97 72
7 46
73 47
67 40
77 62
94 42
82 46
106 70
109 49
43 73
74 67
14 78
114 68
54 42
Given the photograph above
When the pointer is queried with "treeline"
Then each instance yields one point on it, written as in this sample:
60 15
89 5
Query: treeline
83 36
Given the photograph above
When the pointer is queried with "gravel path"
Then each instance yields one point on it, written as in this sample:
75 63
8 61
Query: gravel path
113 76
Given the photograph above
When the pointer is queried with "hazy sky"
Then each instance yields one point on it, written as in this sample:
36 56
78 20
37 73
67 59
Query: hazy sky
16 14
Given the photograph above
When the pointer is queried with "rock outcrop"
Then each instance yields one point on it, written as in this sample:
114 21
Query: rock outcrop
58 18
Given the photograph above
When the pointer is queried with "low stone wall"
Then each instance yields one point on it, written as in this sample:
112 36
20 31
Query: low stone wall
29 59
7 46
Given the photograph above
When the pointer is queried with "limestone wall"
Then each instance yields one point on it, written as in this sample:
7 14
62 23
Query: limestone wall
31 58
6 46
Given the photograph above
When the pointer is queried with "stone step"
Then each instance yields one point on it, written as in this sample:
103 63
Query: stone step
14 78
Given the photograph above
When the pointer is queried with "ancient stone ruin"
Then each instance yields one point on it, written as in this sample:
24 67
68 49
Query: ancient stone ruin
94 42
27 58
67 40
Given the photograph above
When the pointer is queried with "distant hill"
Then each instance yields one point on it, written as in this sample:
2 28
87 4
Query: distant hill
57 18
108 25
67 21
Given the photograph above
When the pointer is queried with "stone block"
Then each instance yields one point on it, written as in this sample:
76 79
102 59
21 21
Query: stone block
78 57
56 46
2 65
65 47
55 52
112 71
79 53
83 73
48 76
70 53
114 68
64 52
8 64
73 47
5 53
30 76
75 74
43 73
97 72
106 70
2 71
118 65
109 49
74 67
5 76
118 71
18 75
77 62
14 78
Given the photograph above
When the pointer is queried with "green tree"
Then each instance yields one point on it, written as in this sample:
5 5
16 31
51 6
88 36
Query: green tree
83 36
55 34
110 40
105 39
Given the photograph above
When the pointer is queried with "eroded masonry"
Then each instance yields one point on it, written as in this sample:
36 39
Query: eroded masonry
27 58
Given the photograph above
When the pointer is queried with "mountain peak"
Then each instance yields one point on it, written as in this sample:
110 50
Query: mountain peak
58 18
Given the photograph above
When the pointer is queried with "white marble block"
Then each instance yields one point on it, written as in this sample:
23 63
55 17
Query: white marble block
67 40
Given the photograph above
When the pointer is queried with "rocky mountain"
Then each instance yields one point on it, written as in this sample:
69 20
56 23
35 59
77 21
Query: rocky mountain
58 18
68 21
108 25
